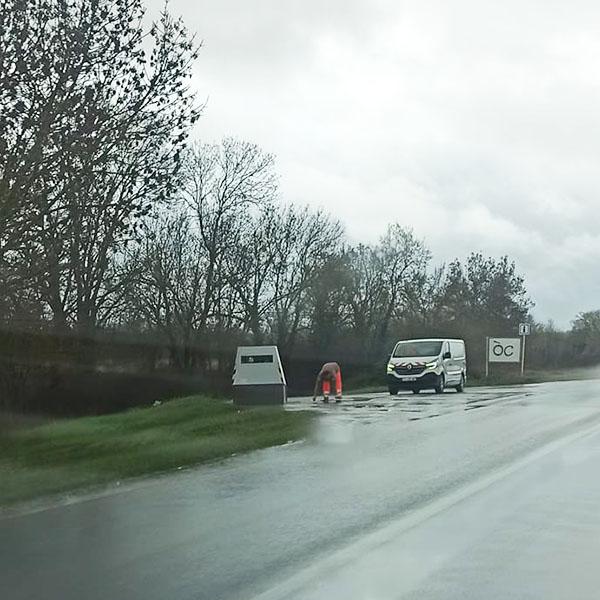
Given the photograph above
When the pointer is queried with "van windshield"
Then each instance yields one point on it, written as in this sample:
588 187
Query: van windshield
406 349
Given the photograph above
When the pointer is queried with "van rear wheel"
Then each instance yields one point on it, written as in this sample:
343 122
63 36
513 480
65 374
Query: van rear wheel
461 386
415 390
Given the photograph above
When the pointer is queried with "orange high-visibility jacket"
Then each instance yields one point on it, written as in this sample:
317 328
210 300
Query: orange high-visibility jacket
329 371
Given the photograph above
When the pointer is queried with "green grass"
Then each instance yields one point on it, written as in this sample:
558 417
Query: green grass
533 376
81 453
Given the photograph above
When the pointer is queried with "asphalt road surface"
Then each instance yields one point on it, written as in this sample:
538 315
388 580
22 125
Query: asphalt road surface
494 493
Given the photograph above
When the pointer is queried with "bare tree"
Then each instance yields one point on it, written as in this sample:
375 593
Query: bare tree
223 186
402 258
422 295
381 280
365 293
328 304
303 241
167 298
31 104
250 269
95 128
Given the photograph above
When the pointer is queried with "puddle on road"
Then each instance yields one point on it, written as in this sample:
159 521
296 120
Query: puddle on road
408 408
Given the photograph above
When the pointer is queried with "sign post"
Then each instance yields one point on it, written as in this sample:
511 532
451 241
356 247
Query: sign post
524 331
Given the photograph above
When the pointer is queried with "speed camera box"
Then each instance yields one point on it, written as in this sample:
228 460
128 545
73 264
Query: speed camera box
258 377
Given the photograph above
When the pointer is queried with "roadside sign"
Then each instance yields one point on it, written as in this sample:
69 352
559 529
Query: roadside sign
504 350
524 329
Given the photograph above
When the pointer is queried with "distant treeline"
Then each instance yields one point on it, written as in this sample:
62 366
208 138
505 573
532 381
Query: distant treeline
67 374
132 263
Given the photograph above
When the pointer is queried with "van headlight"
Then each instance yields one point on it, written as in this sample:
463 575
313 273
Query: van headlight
431 365
390 367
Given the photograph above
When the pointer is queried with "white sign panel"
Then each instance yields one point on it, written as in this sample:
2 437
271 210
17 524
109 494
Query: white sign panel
258 365
524 329
504 350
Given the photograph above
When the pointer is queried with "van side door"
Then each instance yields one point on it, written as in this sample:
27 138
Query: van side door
447 362
458 358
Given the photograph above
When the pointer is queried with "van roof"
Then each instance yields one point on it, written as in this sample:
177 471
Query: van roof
432 340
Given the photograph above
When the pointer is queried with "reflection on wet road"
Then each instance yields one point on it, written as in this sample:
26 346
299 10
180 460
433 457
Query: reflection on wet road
488 494
380 405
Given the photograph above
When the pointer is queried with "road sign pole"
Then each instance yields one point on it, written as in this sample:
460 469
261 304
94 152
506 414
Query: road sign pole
523 337
487 357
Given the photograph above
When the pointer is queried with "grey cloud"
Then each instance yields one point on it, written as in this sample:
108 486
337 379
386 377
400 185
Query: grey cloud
476 123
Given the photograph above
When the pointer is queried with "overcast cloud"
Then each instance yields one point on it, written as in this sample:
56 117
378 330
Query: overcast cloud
475 123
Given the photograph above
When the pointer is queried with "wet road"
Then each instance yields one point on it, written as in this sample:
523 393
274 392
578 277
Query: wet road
490 494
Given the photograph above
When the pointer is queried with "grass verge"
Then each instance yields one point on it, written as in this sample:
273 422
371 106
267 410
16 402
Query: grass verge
79 453
533 376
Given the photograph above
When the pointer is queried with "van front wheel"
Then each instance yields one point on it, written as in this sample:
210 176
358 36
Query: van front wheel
439 386
461 386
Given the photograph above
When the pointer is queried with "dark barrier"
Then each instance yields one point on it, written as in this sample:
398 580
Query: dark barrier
69 392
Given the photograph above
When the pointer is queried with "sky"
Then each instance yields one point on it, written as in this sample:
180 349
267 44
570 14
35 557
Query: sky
475 123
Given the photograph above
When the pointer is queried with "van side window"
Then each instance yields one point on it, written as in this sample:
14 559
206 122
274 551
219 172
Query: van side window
457 349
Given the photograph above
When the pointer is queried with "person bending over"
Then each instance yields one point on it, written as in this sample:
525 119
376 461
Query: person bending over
329 377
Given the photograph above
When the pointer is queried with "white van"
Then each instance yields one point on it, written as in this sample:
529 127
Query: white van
427 364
